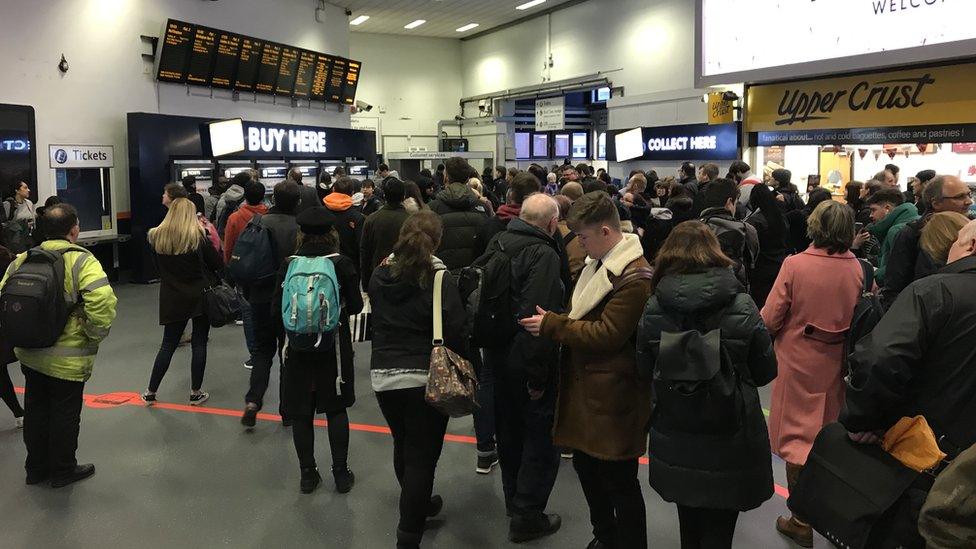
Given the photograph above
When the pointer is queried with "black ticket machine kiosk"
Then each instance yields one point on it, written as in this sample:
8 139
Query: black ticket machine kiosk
202 170
309 170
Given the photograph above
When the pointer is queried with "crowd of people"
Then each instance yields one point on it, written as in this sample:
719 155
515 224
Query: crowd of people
605 322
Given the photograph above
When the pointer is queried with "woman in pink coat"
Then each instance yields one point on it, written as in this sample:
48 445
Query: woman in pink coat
808 313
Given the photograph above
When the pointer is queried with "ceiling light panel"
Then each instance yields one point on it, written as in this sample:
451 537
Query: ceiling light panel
415 24
467 27
529 5
359 20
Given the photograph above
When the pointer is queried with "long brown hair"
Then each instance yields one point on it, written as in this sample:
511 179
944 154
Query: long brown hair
690 248
412 254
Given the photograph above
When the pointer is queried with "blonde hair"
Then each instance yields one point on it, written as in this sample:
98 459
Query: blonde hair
831 227
940 233
475 184
180 232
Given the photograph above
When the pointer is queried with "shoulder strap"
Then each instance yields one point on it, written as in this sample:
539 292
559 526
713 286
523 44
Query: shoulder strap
11 208
438 314
868 270
570 236
630 275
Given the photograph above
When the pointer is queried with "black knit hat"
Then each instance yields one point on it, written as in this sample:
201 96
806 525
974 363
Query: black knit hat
782 176
925 176
316 220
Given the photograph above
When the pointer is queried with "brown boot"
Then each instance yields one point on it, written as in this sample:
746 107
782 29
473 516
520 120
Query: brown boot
800 533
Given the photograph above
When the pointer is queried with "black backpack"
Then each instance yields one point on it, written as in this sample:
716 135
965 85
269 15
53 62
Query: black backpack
486 290
230 206
697 386
33 306
253 259
867 314
15 235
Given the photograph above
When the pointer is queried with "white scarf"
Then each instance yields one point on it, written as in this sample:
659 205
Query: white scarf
594 284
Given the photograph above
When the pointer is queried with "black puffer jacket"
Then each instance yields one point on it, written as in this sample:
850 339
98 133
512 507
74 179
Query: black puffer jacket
716 472
536 281
463 216
771 227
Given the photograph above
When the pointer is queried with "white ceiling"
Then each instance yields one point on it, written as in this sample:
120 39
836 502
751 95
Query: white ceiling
443 16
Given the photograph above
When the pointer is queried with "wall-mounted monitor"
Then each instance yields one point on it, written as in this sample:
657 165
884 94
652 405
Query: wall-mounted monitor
581 145
561 145
540 145
523 145
629 145
600 95
226 137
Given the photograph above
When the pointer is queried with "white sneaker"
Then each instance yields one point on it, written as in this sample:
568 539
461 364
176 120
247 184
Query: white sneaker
248 365
239 322
19 422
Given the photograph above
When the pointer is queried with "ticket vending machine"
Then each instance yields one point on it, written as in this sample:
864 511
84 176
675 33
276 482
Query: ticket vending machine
309 169
329 166
83 176
357 169
230 168
272 172
202 170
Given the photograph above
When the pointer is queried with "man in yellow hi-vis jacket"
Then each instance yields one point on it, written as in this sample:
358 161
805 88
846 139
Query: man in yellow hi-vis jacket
56 375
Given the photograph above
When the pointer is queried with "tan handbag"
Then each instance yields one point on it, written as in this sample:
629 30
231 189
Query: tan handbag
452 386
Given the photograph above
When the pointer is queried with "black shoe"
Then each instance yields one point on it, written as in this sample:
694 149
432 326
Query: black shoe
524 528
286 421
597 544
250 417
408 540
37 477
344 479
436 505
80 472
486 463
310 480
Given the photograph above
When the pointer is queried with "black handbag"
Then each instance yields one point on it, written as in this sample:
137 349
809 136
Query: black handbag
850 492
220 301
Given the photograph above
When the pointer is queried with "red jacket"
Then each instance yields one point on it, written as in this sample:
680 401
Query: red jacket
236 223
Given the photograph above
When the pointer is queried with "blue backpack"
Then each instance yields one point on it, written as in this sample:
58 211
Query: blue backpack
253 259
310 307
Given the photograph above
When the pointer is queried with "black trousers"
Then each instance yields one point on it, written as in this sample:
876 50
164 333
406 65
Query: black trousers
7 393
262 355
616 503
52 420
484 416
303 433
418 437
172 333
528 459
706 528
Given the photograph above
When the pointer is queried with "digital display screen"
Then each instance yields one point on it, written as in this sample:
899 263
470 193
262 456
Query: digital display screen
351 83
202 56
268 69
337 78
199 55
562 145
175 52
358 169
225 63
323 64
286 71
629 144
581 147
522 145
227 137
248 63
304 74
540 145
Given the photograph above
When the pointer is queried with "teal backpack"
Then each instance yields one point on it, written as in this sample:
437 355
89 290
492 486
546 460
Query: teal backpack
310 308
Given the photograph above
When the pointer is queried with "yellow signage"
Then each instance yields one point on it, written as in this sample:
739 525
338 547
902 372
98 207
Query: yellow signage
720 111
913 97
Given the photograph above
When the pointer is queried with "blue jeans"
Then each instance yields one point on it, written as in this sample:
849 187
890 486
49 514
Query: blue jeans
484 417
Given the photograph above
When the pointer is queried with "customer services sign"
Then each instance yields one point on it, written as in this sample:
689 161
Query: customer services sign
913 97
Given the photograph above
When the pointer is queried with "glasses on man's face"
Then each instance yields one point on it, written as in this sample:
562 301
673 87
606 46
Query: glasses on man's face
960 196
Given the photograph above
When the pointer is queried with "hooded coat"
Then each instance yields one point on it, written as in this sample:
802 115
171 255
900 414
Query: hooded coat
380 233
711 471
463 216
886 231
349 224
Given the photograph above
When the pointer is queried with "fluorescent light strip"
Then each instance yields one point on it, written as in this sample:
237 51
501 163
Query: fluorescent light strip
531 4
467 27
359 20
415 24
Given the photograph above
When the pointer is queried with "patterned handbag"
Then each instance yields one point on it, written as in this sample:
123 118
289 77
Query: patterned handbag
452 385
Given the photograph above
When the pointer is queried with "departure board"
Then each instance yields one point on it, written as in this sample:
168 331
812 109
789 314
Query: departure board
177 42
286 71
268 69
337 77
200 67
204 56
225 62
248 63
304 74
351 82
